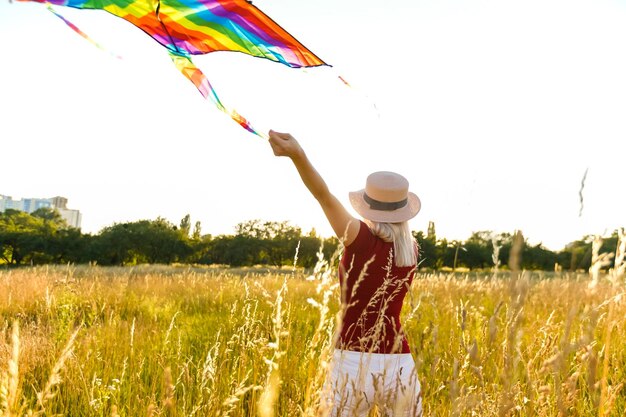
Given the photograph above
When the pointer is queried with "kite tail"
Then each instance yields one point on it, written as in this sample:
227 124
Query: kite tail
197 77
343 80
80 32
365 96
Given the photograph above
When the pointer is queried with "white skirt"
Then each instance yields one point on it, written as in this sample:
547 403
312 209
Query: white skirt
359 380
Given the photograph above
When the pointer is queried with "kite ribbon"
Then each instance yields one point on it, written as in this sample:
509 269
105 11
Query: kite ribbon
197 77
189 70
80 32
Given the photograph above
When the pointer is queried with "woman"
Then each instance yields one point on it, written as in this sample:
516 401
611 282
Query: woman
372 363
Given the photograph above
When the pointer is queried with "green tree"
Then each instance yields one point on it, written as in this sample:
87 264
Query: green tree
538 257
144 241
21 236
427 249
283 243
232 250
431 233
197 231
271 242
185 225
68 245
445 253
50 215
477 251
40 237
576 255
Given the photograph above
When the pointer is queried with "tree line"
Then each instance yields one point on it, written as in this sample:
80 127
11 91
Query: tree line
43 237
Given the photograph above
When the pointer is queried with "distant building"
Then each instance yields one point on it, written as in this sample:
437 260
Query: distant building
5 202
28 205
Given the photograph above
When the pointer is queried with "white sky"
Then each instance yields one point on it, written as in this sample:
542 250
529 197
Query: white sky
492 109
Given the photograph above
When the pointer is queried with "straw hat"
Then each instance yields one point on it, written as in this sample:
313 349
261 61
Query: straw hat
386 198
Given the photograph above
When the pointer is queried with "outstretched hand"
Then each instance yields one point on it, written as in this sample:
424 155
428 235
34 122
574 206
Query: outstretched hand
283 144
345 226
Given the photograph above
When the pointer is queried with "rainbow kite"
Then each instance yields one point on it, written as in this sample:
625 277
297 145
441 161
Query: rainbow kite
194 27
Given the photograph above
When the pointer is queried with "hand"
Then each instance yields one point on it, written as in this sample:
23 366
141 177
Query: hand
283 144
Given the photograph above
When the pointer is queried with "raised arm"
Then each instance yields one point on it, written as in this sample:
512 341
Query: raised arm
345 226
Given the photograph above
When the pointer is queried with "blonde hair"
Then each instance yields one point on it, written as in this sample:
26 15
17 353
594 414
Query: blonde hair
403 242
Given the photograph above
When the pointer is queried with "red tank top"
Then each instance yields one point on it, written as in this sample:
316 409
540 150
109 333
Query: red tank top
373 290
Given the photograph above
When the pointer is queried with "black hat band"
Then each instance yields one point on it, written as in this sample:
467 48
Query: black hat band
382 205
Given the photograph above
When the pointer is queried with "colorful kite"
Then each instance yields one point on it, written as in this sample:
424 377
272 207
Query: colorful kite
194 27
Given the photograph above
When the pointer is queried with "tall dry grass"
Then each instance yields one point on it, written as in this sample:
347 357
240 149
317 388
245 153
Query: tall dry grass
181 341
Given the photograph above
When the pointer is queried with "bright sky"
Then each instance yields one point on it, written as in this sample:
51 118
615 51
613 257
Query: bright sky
492 109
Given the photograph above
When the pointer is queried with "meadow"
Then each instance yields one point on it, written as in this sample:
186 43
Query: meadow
192 341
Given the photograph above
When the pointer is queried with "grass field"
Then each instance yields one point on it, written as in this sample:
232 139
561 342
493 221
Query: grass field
181 341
